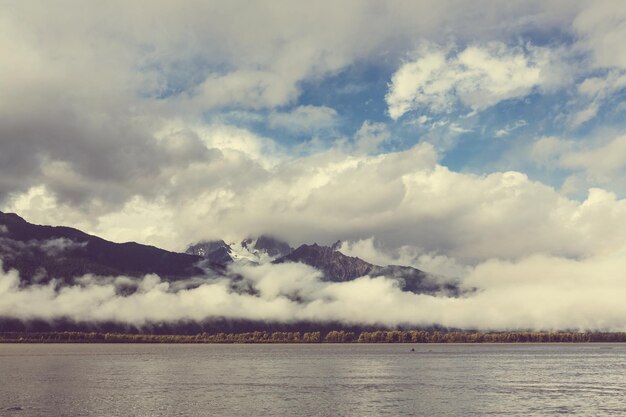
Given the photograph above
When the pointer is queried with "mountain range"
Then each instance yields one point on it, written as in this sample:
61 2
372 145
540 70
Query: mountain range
42 253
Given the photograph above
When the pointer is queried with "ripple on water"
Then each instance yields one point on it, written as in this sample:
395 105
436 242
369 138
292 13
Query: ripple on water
316 380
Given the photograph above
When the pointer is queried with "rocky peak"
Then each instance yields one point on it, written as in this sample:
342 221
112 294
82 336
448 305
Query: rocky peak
335 265
215 251
338 267
205 247
272 246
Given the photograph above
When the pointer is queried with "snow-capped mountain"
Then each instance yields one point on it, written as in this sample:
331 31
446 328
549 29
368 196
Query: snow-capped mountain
41 253
334 265
260 250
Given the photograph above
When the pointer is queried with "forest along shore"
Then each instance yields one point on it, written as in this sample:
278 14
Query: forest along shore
380 336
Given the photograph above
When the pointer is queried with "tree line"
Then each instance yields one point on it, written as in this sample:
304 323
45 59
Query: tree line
333 336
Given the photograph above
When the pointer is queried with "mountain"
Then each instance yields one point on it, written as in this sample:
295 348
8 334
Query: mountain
416 281
335 265
338 267
268 244
218 254
41 253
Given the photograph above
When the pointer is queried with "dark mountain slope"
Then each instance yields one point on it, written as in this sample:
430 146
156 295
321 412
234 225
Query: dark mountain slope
216 252
271 246
335 265
338 267
40 253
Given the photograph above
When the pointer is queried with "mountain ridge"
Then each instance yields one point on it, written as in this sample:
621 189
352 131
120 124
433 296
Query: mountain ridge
41 253
338 267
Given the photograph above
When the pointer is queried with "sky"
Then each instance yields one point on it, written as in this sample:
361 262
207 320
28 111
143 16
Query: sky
484 141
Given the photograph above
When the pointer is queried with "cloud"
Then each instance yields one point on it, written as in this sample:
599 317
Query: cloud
370 137
601 29
455 128
602 86
478 77
597 161
52 247
547 150
539 292
506 130
583 116
304 119
246 88
594 92
55 247
233 140
85 103
403 198
437 264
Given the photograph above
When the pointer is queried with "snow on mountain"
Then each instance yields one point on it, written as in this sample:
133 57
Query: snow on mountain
263 249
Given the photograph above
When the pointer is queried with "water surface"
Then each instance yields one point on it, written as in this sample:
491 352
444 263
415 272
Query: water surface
312 380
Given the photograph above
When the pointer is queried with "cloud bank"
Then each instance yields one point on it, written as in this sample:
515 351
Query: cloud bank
539 292
402 198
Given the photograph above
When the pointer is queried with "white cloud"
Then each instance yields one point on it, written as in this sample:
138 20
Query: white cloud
584 115
424 82
538 292
602 86
456 128
602 30
595 161
304 119
116 85
432 262
403 198
506 130
479 77
370 136
233 139
547 150
600 161
593 92
251 89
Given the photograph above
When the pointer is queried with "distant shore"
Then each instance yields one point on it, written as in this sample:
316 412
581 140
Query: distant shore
264 337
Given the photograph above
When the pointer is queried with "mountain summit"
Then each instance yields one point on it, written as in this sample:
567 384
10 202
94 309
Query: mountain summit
262 249
338 267
335 265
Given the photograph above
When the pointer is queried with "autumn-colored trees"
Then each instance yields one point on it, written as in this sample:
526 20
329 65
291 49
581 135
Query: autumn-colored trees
334 336
339 337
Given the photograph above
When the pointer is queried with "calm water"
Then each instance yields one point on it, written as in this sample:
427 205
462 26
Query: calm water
311 380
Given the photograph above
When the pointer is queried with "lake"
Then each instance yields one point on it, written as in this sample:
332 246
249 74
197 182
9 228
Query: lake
312 380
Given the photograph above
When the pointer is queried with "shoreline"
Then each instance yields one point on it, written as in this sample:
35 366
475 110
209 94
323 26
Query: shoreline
332 337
